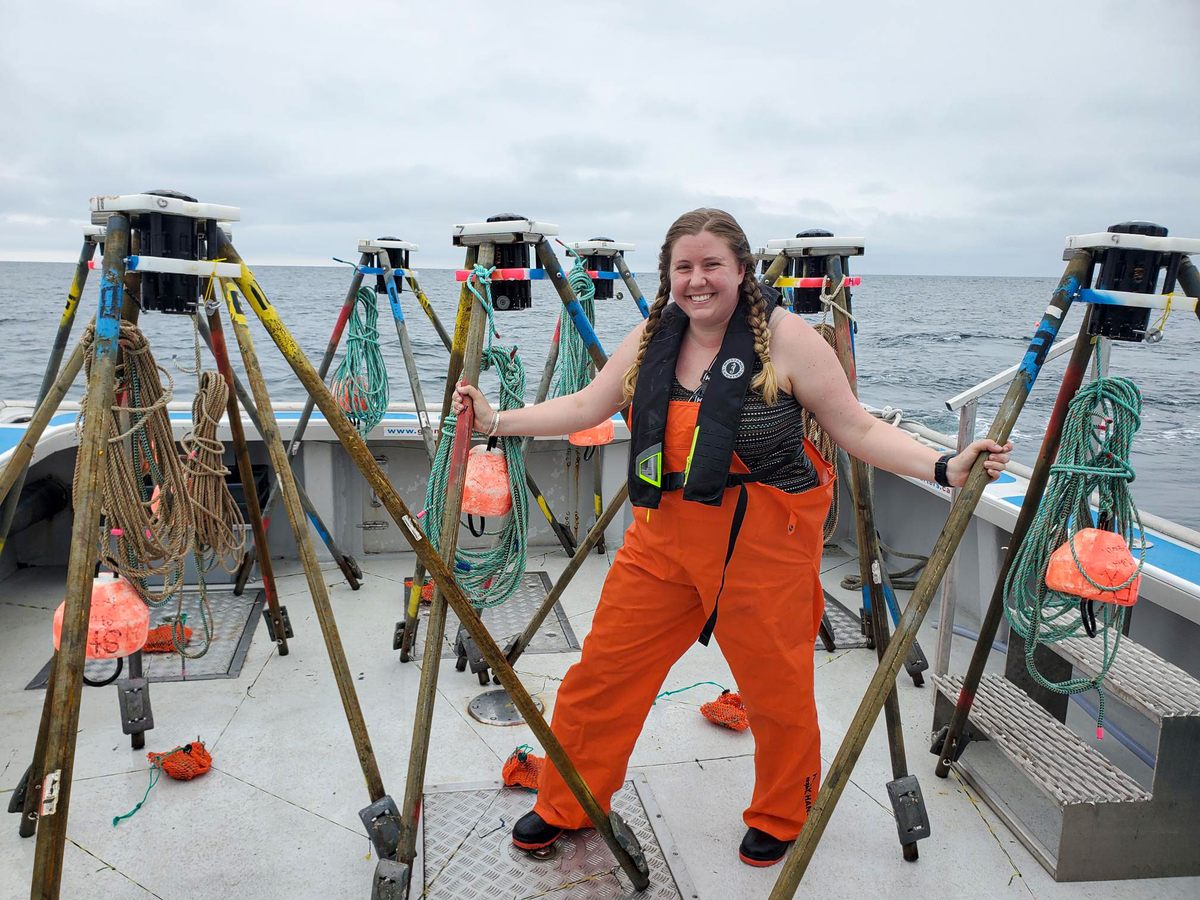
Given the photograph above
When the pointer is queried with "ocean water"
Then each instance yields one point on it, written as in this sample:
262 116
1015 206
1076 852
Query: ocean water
920 341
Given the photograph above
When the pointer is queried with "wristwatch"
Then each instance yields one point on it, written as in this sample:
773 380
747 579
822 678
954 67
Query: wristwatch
939 469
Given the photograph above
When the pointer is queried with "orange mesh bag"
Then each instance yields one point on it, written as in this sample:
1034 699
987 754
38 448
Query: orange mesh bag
522 768
160 639
727 710
183 763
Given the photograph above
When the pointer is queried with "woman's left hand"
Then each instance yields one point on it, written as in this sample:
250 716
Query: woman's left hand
959 467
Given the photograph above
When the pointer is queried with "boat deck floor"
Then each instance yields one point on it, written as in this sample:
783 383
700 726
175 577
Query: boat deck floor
278 814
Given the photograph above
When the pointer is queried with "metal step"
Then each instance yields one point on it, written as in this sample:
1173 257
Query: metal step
1055 759
1138 677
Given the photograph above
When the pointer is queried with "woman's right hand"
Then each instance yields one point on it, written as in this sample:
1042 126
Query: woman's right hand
465 393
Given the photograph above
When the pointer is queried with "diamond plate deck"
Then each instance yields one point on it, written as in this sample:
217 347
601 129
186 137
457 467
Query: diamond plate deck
510 618
1065 768
234 620
468 852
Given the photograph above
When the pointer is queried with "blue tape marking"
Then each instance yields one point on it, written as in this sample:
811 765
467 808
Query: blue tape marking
321 532
108 316
602 276
394 300
1047 331
583 326
642 307
866 592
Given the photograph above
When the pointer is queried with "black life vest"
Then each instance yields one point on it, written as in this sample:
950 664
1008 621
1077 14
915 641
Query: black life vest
706 475
707 472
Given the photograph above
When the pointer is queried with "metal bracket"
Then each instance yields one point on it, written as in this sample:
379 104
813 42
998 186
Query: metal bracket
287 623
956 752
866 627
382 821
49 805
468 653
390 881
912 819
916 663
133 694
628 842
16 803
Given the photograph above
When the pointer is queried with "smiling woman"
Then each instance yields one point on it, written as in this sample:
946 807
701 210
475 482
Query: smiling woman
727 493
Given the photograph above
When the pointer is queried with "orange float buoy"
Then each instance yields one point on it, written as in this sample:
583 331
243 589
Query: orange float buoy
351 395
486 491
118 623
594 436
1106 559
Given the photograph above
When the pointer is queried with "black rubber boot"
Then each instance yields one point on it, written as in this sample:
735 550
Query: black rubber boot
532 833
760 849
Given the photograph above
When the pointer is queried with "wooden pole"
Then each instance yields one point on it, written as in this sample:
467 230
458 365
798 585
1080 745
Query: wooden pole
269 432
58 761
215 338
870 556
1073 377
345 562
414 791
634 291
884 679
357 448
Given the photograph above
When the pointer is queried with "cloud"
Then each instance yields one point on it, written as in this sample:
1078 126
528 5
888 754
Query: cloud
955 137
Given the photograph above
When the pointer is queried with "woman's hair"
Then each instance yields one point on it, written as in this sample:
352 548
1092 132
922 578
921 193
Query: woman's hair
724 226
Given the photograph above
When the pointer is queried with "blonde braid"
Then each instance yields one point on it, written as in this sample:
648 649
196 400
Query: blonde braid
756 308
629 381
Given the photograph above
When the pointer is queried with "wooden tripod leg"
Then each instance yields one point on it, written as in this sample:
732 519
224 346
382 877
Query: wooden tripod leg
884 678
57 763
344 561
312 572
870 556
220 352
358 451
414 789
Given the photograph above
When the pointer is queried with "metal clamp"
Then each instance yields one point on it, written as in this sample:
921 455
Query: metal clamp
382 821
960 746
390 881
912 819
133 694
287 624
628 842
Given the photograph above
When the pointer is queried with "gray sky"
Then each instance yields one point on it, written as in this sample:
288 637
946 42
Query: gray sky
958 138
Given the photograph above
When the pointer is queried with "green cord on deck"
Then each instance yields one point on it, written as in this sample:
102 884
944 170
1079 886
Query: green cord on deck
1092 460
574 370
688 688
488 577
360 384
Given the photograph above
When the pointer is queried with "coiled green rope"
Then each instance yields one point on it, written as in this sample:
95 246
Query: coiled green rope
1093 459
574 370
360 384
488 577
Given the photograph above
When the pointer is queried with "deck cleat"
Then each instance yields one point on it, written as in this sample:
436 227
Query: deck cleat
382 821
391 880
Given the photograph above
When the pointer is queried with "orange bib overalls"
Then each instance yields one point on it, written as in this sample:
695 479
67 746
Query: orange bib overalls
657 597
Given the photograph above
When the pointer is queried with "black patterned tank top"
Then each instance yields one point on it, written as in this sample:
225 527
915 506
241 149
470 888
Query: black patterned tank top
767 434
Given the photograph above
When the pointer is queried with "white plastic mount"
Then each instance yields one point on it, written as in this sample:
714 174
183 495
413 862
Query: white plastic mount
819 246
375 246
103 207
1107 239
94 233
600 248
514 231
